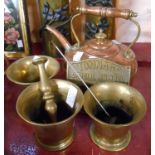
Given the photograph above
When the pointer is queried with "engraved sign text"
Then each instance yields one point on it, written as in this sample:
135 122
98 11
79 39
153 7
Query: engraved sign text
99 70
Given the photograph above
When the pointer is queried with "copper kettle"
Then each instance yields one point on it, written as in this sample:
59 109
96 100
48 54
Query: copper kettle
100 46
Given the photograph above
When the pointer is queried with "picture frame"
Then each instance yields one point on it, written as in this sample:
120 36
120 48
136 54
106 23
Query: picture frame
16 34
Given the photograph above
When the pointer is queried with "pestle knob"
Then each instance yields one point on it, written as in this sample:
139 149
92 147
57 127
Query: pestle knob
45 87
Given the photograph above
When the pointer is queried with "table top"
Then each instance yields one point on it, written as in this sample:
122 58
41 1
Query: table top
20 140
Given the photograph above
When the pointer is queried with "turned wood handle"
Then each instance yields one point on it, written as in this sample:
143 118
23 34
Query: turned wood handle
107 12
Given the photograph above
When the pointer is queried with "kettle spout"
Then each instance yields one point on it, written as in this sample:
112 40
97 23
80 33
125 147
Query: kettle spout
60 37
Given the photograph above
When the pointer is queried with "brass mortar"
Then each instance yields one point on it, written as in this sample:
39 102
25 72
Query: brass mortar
52 136
114 137
23 72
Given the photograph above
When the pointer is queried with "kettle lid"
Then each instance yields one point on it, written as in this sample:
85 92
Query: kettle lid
100 46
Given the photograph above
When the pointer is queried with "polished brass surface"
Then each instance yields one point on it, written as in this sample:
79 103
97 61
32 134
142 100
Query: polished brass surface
73 30
45 87
60 145
100 36
103 143
52 136
127 52
23 72
114 137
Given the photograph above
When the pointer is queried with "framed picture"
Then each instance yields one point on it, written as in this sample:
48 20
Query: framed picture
16 41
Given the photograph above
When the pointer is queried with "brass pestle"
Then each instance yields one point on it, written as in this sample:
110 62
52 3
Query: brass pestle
45 87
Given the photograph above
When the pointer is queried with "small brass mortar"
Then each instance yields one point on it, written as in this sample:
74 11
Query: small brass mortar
114 137
23 72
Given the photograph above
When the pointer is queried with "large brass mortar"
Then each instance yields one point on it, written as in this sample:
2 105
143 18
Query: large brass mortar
114 137
52 136
24 72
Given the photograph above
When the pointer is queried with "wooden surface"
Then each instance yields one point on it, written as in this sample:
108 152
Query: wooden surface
34 19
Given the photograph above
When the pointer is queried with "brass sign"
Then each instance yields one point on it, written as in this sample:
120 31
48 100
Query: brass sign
99 70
